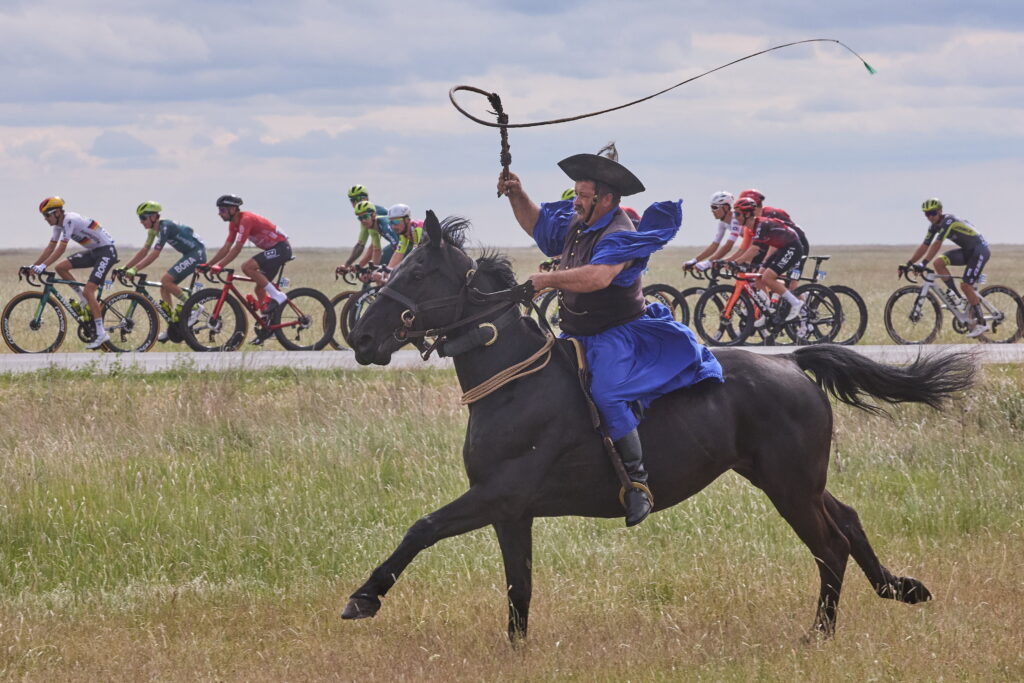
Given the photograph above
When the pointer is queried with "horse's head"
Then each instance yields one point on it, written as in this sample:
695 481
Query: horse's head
428 293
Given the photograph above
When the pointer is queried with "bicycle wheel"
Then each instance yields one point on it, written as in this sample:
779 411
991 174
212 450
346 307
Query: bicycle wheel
910 319
337 340
32 325
131 321
664 294
687 301
714 325
203 331
551 310
820 320
307 320
853 313
354 307
1004 313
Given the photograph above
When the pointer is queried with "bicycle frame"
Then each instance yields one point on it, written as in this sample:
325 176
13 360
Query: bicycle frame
929 283
142 285
49 286
228 278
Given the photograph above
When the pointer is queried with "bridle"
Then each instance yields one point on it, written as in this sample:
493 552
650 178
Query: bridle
503 300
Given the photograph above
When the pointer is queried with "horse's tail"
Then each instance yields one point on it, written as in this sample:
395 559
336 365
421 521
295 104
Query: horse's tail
850 377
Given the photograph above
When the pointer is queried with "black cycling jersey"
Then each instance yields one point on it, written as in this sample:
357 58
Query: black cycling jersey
961 232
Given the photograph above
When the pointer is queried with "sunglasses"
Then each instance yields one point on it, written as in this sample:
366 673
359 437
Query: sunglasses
715 207
50 212
144 216
933 212
396 221
364 216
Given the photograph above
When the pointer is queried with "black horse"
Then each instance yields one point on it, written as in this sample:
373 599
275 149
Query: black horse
531 449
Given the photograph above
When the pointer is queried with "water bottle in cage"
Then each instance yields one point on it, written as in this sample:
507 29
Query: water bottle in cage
283 283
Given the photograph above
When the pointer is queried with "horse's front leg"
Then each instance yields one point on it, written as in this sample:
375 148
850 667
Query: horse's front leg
502 496
516 541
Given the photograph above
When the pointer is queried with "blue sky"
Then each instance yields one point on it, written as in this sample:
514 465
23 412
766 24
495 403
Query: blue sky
111 102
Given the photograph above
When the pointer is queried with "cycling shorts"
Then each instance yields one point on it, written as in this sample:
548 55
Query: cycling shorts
187 264
785 258
99 259
272 260
973 261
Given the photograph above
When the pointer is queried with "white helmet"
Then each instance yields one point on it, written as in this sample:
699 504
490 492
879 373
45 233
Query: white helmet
722 197
399 211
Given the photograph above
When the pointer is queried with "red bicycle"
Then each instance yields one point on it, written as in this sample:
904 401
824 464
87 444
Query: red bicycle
214 319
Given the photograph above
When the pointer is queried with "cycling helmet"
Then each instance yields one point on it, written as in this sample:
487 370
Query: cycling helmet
365 207
755 194
148 207
229 200
569 194
357 190
931 205
49 204
398 211
745 205
722 198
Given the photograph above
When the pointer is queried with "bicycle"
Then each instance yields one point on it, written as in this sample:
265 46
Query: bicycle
141 285
852 313
339 339
36 322
216 316
358 301
725 315
913 314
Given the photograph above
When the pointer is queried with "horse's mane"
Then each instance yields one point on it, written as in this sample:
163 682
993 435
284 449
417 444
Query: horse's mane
490 262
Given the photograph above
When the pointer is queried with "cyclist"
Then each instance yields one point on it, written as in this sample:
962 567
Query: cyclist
972 253
728 228
409 232
99 254
245 225
179 236
373 224
779 214
782 252
356 195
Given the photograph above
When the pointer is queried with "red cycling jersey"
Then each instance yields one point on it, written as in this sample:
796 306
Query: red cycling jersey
256 229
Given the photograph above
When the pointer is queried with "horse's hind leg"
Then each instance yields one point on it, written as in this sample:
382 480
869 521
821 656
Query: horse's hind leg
886 585
815 527
516 541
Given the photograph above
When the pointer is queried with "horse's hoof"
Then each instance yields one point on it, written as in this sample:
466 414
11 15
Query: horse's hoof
360 607
913 591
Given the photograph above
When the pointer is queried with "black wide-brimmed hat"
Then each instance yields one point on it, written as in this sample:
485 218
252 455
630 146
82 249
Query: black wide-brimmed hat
602 169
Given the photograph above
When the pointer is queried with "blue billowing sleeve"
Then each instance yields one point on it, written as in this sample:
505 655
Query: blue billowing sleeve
658 226
552 225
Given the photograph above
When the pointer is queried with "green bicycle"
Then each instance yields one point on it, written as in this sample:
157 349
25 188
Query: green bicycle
37 322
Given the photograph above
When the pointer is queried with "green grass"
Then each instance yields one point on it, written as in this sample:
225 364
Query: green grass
211 525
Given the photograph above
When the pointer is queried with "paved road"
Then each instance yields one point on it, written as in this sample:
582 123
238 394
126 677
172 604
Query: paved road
161 361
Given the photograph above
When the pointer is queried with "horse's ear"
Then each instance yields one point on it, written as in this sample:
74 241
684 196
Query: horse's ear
433 228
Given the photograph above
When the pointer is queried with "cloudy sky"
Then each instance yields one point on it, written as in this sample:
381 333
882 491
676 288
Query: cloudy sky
112 102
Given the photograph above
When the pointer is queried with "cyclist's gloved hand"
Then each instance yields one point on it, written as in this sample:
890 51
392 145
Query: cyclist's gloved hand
216 269
130 272
689 264
38 268
702 265
918 267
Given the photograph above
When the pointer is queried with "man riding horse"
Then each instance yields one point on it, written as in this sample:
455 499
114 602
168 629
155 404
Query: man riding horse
635 351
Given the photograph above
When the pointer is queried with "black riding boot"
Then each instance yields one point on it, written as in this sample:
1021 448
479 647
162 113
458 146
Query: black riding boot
636 501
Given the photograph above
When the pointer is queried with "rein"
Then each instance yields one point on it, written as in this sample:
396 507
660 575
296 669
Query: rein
510 374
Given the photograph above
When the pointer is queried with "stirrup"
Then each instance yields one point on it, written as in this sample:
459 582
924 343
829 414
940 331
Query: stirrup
636 485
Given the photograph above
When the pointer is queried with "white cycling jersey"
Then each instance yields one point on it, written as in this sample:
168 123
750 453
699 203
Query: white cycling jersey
85 231
733 228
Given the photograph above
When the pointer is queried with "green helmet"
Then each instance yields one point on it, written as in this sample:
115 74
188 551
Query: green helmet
357 190
931 205
365 207
569 194
148 207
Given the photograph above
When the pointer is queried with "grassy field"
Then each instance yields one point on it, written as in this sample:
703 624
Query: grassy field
182 526
871 270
